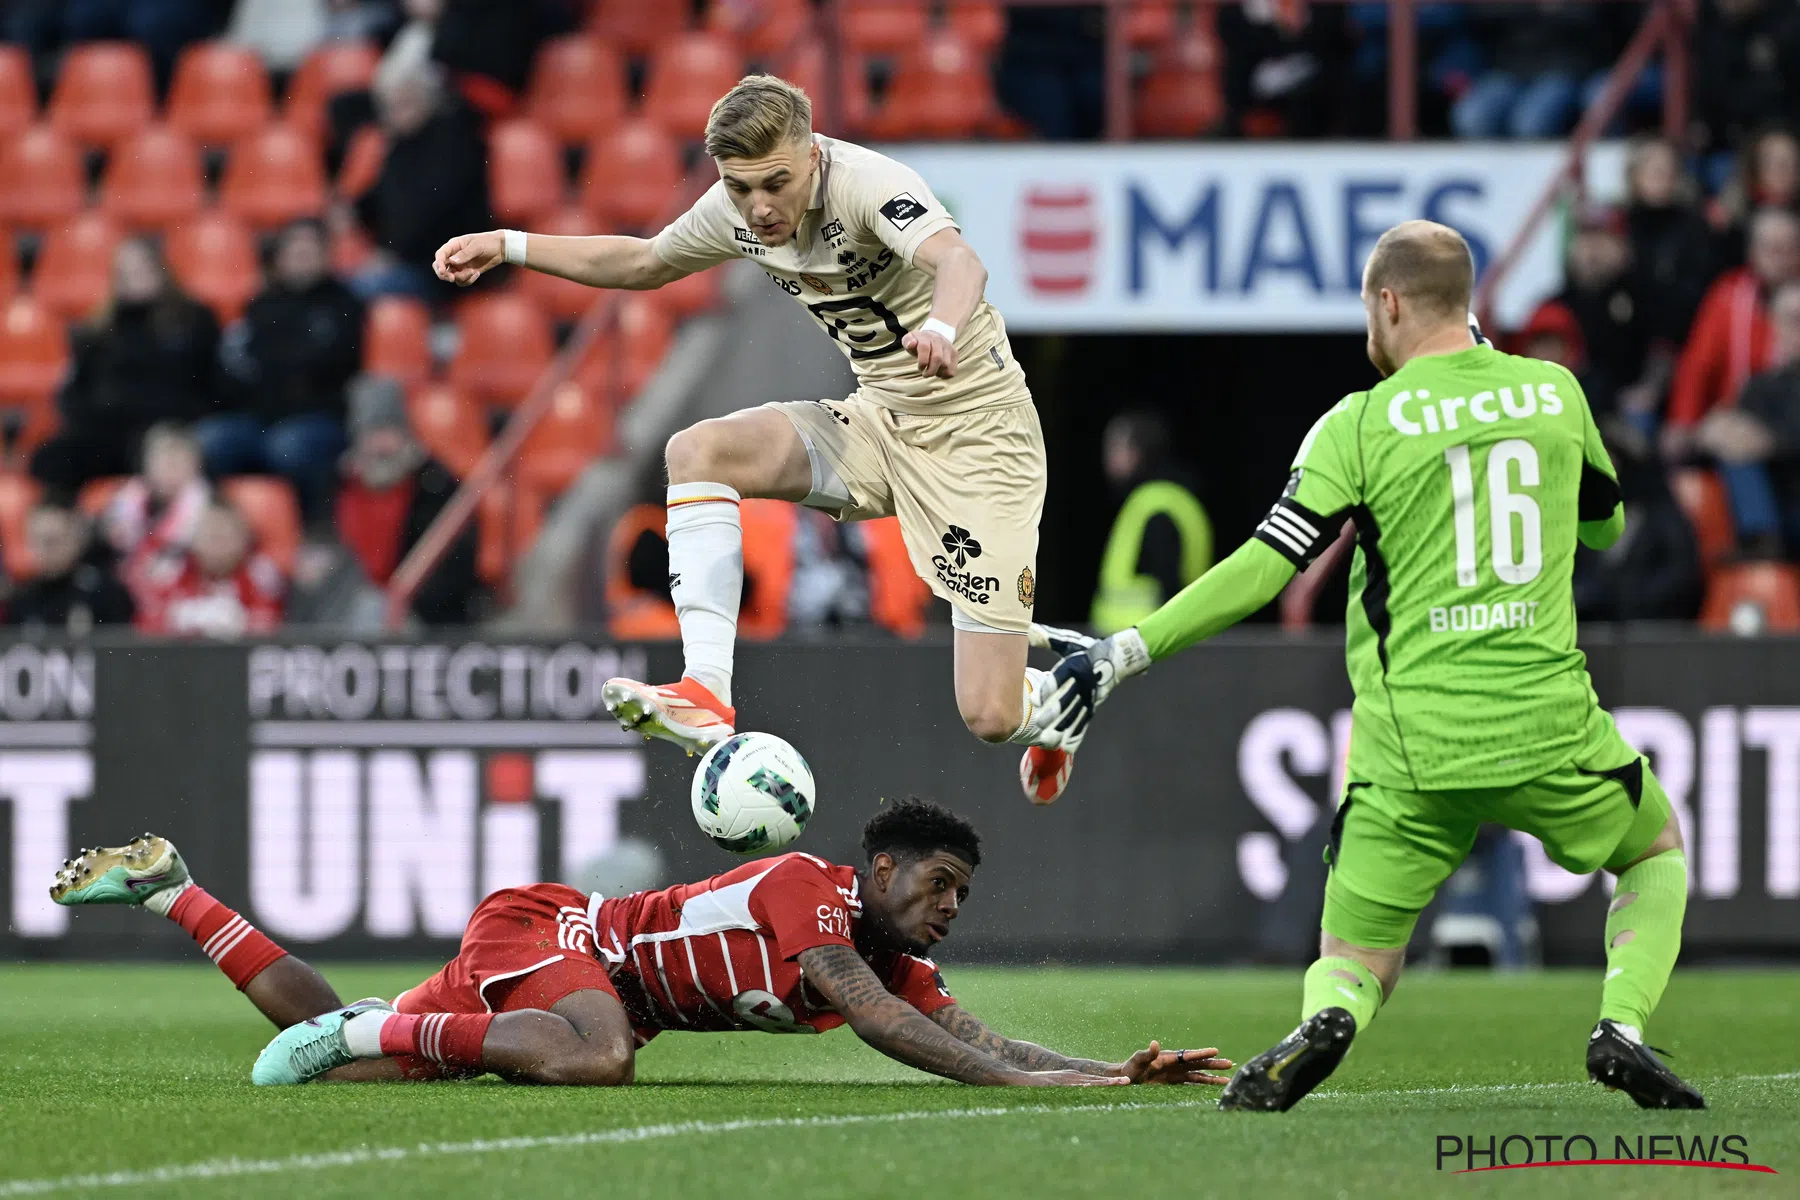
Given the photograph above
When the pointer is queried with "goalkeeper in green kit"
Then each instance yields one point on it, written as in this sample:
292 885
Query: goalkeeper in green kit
1470 476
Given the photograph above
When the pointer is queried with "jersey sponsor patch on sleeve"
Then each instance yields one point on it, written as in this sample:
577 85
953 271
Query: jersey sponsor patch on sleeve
902 210
1296 532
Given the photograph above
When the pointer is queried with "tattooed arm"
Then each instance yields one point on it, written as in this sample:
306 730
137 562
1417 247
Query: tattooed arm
1150 1065
903 1033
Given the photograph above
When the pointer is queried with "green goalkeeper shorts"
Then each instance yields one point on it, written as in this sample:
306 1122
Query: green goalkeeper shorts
1391 849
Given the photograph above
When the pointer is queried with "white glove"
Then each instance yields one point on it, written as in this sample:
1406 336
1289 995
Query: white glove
1067 697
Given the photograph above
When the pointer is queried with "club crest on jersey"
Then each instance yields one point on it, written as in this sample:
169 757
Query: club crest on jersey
902 210
1027 588
815 283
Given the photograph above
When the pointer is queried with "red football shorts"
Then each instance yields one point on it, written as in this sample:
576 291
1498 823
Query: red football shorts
524 948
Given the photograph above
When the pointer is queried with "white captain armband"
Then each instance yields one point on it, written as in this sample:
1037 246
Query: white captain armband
1296 532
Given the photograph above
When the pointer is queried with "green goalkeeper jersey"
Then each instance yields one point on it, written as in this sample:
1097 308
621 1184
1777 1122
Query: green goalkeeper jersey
1467 475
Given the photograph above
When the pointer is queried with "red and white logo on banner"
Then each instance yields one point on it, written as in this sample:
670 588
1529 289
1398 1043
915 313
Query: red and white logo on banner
1059 237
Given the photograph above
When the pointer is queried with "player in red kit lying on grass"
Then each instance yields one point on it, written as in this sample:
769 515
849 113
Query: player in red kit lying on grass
554 986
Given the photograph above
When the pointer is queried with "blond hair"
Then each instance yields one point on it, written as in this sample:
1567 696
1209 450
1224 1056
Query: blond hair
756 117
1427 263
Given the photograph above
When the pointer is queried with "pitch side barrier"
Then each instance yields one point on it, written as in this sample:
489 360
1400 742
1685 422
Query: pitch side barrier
356 799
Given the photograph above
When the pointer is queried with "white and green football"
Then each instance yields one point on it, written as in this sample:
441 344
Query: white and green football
753 794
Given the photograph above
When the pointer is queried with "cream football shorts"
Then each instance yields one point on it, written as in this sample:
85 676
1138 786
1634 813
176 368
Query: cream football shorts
968 489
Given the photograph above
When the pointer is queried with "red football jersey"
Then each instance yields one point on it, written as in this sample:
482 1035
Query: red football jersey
719 954
177 599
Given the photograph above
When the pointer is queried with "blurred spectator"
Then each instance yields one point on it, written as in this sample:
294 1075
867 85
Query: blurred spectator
1161 540
281 31
433 184
1730 339
1449 59
1768 176
1280 60
150 355
163 27
1051 68
488 45
290 358
1757 444
223 587
1746 62
1671 246
1652 573
151 519
1549 60
391 494
1602 296
330 589
361 20
74 588
830 584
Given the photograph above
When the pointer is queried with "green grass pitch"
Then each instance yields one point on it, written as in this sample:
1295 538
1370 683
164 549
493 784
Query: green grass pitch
134 1082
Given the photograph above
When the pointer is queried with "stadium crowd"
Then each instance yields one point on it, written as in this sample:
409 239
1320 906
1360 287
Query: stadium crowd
234 394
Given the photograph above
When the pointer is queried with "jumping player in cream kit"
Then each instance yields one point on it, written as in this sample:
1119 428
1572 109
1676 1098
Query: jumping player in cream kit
940 432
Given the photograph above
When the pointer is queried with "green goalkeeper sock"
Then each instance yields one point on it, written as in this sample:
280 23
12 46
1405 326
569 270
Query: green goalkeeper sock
1326 989
1643 936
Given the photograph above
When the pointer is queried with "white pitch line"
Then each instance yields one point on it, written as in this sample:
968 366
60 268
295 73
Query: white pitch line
224 1168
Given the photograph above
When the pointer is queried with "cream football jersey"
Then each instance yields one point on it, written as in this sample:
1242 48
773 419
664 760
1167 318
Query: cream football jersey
850 263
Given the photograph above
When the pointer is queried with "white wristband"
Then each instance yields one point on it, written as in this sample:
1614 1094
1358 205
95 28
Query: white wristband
515 246
933 325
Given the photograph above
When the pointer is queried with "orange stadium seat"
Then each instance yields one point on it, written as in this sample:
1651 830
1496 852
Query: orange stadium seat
939 91
268 505
153 179
73 275
34 352
882 26
1770 591
363 160
274 176
103 92
577 88
1701 495
688 295
510 518
638 26
214 258
563 299
687 76
646 328
1149 23
525 172
503 347
981 24
330 70
18 496
9 265
397 339
44 178
452 427
808 67
1183 95
18 94
576 430
765 29
98 493
220 93
632 176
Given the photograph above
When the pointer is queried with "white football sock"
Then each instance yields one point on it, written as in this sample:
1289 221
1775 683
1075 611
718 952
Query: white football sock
706 577
163 901
362 1033
1028 732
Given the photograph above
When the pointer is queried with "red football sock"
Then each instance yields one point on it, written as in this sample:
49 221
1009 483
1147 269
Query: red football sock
240 949
448 1039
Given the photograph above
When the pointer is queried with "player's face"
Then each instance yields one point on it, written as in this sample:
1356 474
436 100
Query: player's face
913 902
771 193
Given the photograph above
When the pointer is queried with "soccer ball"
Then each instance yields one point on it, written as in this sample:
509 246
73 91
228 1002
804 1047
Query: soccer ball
753 793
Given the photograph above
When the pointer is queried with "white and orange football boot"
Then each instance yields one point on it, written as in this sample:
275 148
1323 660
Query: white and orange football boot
686 713
1045 773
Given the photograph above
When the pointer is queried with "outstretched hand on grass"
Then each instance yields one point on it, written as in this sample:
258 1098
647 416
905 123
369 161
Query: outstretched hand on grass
1153 1064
